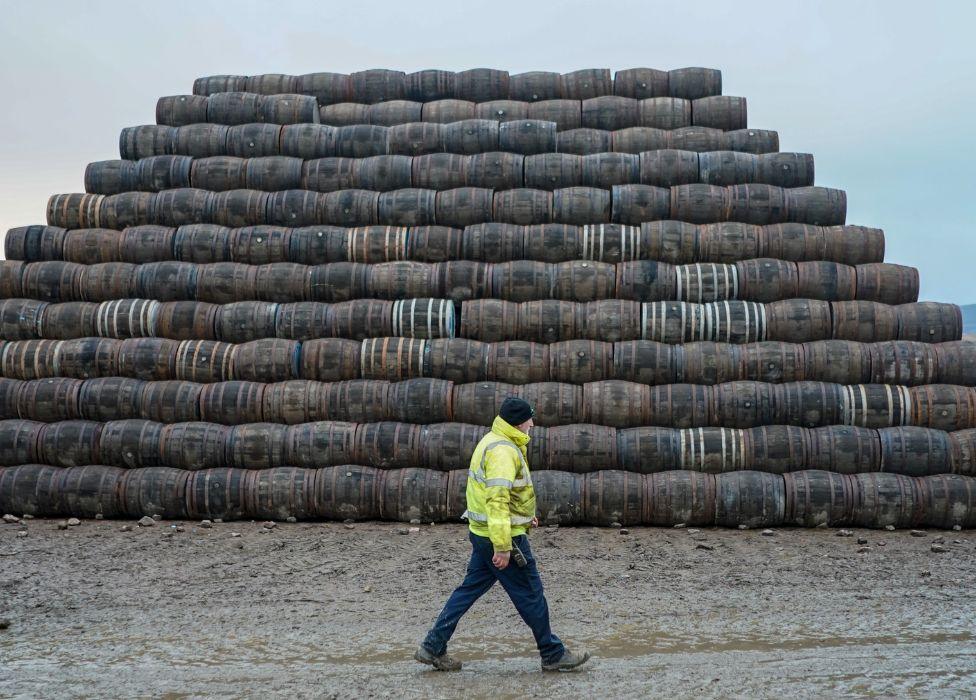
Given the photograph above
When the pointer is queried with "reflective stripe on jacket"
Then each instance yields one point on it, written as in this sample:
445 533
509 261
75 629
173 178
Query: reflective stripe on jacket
501 500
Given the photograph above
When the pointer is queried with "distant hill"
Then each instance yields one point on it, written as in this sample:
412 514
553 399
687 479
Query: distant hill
969 319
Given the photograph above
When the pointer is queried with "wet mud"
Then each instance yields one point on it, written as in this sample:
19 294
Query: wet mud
328 610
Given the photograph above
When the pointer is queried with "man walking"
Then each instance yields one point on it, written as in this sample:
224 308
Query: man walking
501 508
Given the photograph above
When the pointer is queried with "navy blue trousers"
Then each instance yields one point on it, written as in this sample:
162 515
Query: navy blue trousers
523 585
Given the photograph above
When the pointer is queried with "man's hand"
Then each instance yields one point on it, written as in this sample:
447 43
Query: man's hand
534 523
500 560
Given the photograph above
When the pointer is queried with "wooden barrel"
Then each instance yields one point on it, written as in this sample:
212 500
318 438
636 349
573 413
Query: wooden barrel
202 243
32 243
581 361
194 445
201 140
669 322
808 404
281 282
876 405
186 320
817 205
158 173
71 443
489 320
516 362
565 114
90 491
388 445
434 244
382 173
699 203
83 358
667 167
844 449
798 320
267 360
816 498
416 139
646 362
49 280
962 454
826 280
319 444
109 398
929 322
915 451
137 142
639 139
694 83
256 446
956 363
743 404
725 242
453 359
169 280
110 176
551 171
725 168
887 283
356 319
555 403
703 362
545 242
841 361
330 359
232 108
767 280
421 318
361 140
447 111
904 362
31 359
226 282
482 84
854 245
232 402
438 171
522 206
864 321
777 449
635 204
719 112
406 207
534 86
10 390
449 446
796 242
461 280
943 406
703 282
527 136
663 113
949 501
145 244
147 358
478 403
210 84
216 493
273 173
421 400
755 203
463 206
647 449
429 85
646 280
469 136
679 497
171 401
616 403
133 208
771 361
132 443
583 141
281 493
32 489
20 319
203 361
50 399
712 450
313 245
339 281
495 170
585 84
522 280
343 114
610 112
74 210
886 499
502 110
307 141
612 496
240 208
785 169
640 83
411 494
548 321
347 492
110 280
701 139
581 205
327 88
393 112
19 441
753 499
560 497
402 279
359 401
392 359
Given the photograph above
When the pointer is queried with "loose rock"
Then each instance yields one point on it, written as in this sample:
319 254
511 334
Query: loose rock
862 540
680 525
939 549
743 526
144 521
890 528
63 525
349 526
157 516
180 528
957 528
403 531
8 518
125 528
414 530
615 524
938 540
22 533
917 533
693 531
291 519
235 534
415 521
768 533
845 533
4 624
206 524
624 531
702 545
881 543
863 550
218 520
270 524
73 522
99 516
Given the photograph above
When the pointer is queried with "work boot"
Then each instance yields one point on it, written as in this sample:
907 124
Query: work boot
440 663
567 662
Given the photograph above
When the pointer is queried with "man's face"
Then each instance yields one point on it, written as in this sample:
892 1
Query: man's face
526 426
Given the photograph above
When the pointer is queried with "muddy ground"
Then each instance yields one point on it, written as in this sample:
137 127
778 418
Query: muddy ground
328 610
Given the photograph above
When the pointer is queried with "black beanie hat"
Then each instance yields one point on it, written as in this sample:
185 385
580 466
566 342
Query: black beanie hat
515 411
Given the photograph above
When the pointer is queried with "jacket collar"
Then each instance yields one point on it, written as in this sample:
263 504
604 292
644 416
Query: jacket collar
509 431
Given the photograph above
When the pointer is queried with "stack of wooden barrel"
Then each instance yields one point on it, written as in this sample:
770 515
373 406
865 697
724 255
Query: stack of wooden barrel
306 296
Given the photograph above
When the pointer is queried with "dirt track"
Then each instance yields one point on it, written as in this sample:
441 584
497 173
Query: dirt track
312 610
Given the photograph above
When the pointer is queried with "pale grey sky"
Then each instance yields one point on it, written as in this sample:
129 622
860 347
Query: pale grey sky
882 93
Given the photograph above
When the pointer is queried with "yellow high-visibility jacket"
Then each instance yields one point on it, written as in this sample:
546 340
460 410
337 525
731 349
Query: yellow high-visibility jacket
501 500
